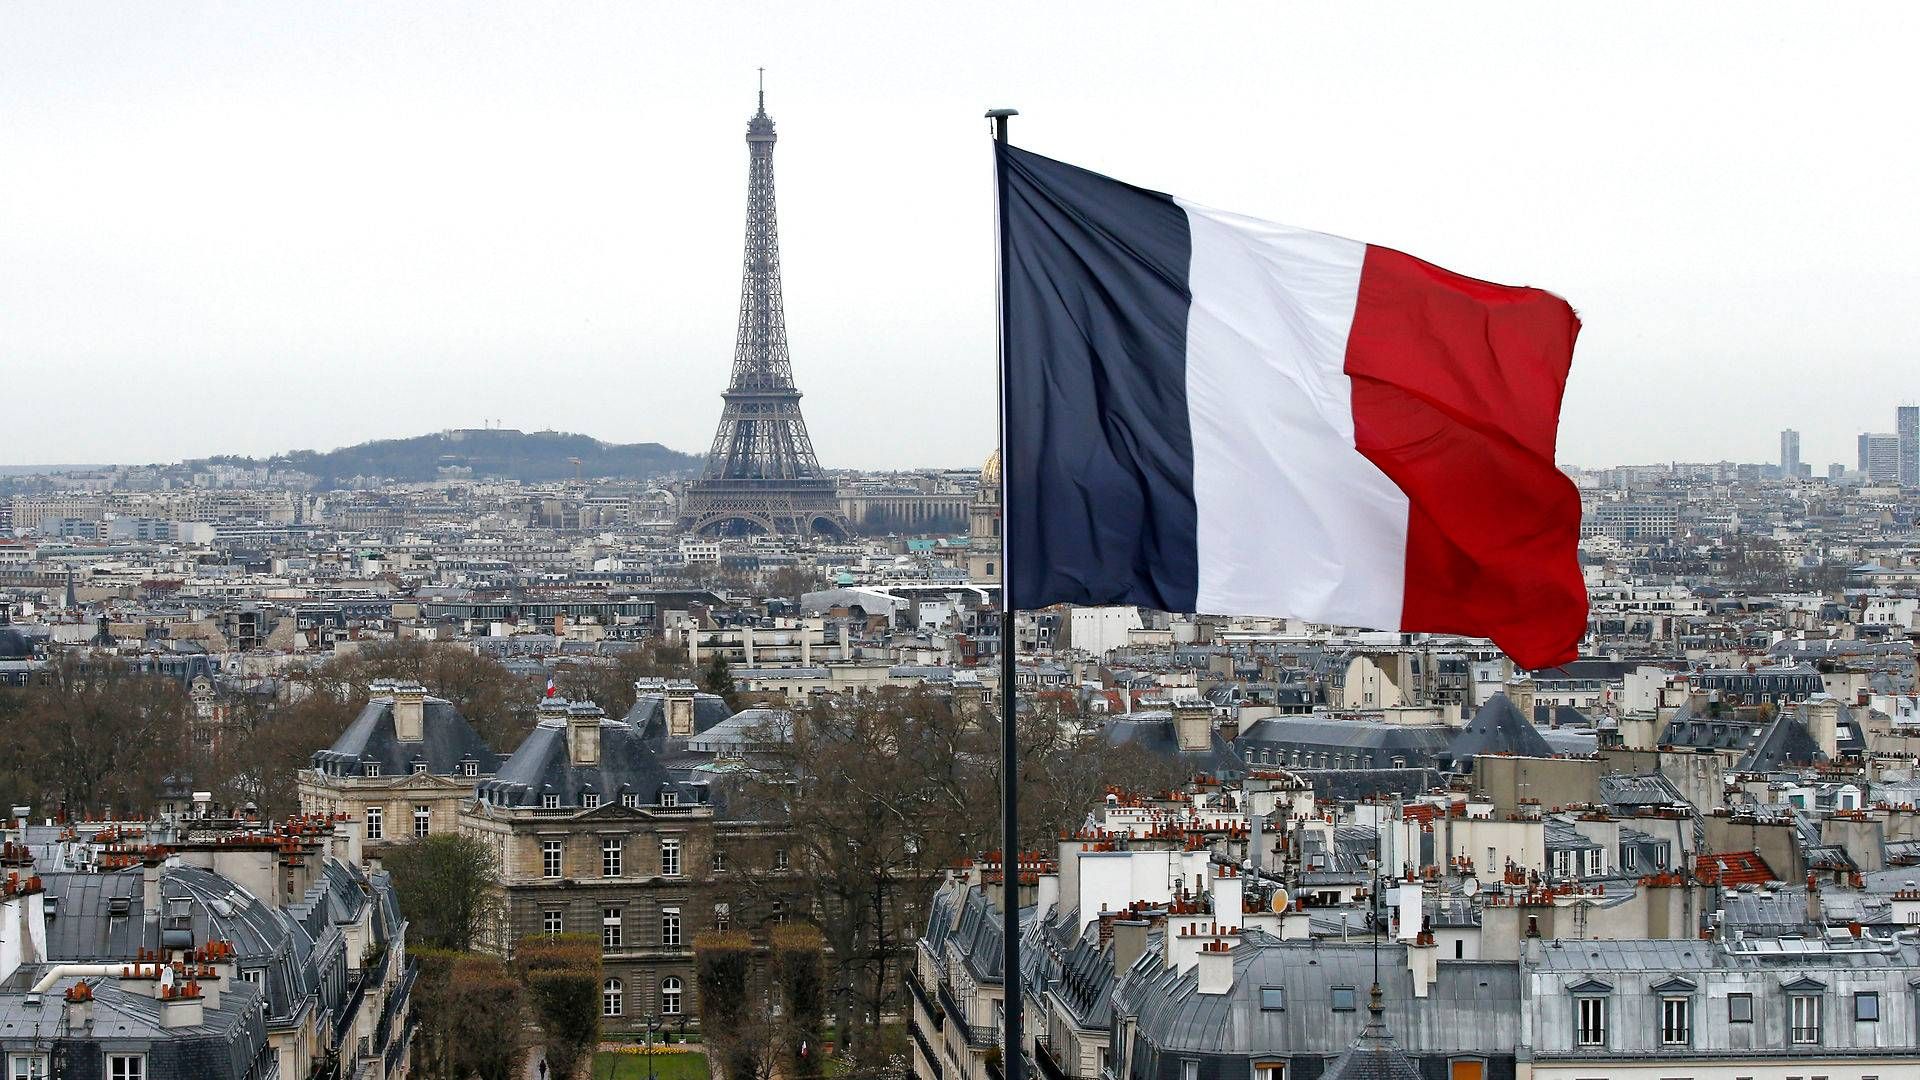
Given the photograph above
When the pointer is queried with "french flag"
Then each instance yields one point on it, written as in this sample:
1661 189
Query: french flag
1208 413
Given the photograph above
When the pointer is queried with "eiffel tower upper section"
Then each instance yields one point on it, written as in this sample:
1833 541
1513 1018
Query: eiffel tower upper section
761 475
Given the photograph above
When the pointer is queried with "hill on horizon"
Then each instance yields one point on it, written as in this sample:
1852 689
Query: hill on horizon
490 454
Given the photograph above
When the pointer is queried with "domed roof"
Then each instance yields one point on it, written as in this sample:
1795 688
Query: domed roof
990 472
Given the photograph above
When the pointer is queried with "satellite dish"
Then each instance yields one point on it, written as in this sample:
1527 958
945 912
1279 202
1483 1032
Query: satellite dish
1279 902
1471 885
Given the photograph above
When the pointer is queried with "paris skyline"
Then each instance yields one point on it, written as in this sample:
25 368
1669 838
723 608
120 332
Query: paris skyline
382 226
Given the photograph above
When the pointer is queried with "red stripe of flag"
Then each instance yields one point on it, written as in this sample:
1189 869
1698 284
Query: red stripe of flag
1456 397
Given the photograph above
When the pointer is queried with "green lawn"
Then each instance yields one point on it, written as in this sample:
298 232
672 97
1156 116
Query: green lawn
691 1066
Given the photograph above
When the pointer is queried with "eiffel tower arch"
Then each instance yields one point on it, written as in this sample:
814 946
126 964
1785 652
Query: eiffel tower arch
761 475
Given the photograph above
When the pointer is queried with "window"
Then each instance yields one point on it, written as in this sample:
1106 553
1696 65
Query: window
670 857
610 858
1591 1026
256 976
670 996
419 768
669 798
779 911
1739 1008
1269 1070
719 861
610 928
612 998
1343 999
126 1067
1273 998
1676 1021
1804 1013
722 917
1189 1069
376 819
1866 1007
370 768
549 858
552 921
1562 863
590 800
550 801
1593 865
779 858
1467 1069
670 927
422 820
27 1067
469 768
630 800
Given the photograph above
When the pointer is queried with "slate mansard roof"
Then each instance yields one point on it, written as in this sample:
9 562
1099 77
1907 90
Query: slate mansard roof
649 714
1468 1010
448 740
1374 743
1498 728
543 764
1154 733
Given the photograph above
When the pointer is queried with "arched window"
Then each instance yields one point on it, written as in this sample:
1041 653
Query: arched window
670 996
612 999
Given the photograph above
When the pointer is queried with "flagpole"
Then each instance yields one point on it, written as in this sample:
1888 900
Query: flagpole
1013 1057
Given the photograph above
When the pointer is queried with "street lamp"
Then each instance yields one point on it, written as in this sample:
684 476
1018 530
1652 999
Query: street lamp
651 1021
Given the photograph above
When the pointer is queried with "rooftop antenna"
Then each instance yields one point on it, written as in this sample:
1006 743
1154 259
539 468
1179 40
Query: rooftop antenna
763 89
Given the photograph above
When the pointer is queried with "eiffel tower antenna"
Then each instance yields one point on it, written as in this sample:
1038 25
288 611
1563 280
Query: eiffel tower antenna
761 475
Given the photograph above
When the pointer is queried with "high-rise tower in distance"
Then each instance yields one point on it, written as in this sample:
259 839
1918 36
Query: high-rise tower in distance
1789 453
1907 431
761 475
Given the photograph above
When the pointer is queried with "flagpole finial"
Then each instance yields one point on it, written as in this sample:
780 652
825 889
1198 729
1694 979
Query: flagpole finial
999 118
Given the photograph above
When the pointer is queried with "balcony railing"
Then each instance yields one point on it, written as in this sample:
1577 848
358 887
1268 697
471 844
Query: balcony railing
934 1012
1043 1057
926 1048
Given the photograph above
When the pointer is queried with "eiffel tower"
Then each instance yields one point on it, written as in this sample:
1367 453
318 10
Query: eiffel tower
761 475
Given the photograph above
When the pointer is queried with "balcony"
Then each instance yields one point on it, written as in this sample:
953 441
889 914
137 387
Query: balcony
934 1012
926 1048
1043 1056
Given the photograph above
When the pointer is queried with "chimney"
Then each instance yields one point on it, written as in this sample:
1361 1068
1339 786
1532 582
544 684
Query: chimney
583 733
1520 692
1129 941
680 709
1823 723
1193 726
1046 894
1814 913
80 1007
182 1006
150 865
1228 895
1423 963
1215 973
409 712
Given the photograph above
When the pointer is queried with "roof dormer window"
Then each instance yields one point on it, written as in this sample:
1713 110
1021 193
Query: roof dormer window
550 801
369 768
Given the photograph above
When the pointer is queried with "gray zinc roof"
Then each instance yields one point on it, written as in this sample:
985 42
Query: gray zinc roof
1467 1010
447 740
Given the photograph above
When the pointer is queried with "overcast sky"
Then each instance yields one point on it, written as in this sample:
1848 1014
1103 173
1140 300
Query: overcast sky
253 228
